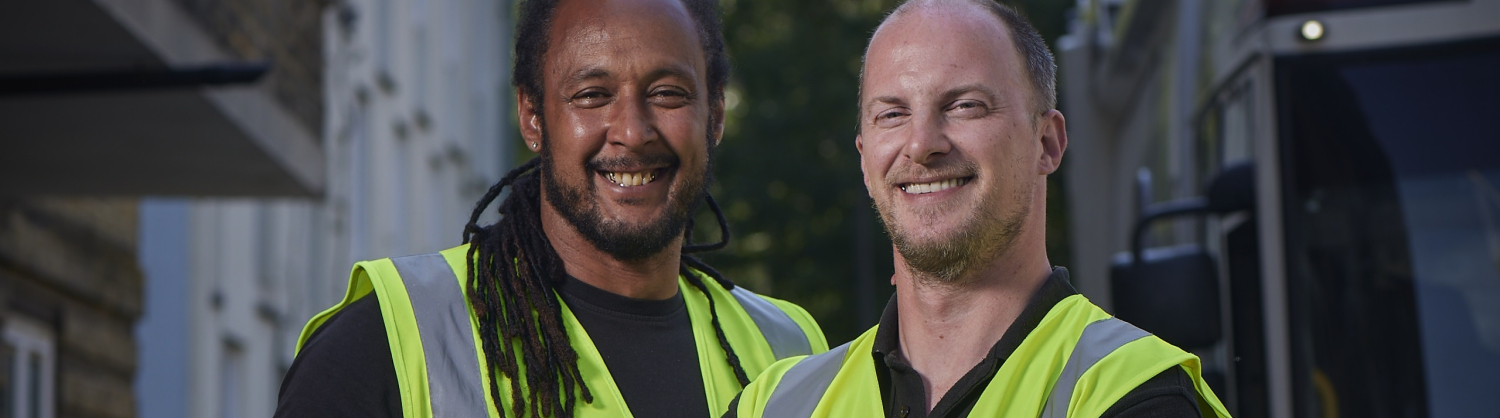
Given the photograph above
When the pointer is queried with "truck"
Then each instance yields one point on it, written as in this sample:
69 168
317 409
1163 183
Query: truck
1305 193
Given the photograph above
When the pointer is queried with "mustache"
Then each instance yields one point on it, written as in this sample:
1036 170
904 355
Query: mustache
622 162
909 172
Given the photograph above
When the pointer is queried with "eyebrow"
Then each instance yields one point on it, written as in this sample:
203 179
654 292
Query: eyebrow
880 99
673 70
969 88
947 95
586 73
589 73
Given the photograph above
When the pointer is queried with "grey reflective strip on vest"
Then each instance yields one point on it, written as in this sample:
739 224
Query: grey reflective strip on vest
784 335
453 385
1098 340
803 386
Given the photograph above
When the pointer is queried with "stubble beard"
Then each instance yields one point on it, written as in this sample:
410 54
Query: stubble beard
623 241
978 239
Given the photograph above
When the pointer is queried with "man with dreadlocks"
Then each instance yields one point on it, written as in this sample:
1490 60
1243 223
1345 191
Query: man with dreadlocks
580 301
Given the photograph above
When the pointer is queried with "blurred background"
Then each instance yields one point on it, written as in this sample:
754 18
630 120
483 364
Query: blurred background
1302 192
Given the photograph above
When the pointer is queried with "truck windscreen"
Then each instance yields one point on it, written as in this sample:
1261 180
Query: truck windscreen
1391 194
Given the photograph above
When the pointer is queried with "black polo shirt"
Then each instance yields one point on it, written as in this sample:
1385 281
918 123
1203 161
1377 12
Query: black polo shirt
345 369
1169 394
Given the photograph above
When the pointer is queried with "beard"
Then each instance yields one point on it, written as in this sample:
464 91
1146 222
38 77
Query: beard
986 233
624 241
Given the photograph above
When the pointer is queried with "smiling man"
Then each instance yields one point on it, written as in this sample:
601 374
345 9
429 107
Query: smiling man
580 301
958 133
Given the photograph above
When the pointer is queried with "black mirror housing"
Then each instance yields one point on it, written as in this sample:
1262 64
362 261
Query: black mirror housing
1233 189
1172 292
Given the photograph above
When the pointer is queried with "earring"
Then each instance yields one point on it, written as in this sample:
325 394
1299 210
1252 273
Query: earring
533 145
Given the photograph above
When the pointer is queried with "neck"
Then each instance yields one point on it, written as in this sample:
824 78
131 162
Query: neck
652 278
949 327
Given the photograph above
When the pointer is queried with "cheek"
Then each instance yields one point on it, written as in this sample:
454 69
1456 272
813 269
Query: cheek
571 131
686 130
584 125
877 159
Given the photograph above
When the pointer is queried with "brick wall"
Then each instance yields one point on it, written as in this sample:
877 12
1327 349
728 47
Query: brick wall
289 33
70 264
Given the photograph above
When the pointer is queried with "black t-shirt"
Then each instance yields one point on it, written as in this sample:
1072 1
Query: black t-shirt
1168 395
345 368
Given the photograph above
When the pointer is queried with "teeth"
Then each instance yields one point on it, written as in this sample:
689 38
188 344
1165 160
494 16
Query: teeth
631 179
936 186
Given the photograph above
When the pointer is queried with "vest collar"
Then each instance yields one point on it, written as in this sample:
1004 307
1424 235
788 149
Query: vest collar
898 380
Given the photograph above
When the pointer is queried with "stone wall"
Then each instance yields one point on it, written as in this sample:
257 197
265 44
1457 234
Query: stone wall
70 264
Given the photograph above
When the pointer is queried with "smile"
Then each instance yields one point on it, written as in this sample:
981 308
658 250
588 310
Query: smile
936 186
630 179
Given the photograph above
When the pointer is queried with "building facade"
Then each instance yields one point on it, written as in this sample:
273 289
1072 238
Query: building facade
414 117
102 101
72 291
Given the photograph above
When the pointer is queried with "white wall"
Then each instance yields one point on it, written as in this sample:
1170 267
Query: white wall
415 131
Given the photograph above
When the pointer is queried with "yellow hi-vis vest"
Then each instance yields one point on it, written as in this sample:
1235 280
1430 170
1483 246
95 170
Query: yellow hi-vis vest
433 336
1076 363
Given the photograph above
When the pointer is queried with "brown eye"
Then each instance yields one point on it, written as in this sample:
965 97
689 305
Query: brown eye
670 97
590 98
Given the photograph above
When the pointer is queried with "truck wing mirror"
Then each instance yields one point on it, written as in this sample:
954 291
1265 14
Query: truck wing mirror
1172 292
1233 189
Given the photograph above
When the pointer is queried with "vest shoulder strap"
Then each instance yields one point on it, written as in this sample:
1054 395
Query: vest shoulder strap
1099 339
442 318
802 387
787 339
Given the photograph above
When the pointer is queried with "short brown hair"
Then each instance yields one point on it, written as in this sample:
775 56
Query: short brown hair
1041 67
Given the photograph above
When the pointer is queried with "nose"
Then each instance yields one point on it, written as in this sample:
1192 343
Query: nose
631 123
928 141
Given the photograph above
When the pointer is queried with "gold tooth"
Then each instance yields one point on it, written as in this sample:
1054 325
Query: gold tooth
630 179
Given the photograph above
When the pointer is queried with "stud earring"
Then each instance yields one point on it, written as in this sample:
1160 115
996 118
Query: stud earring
533 145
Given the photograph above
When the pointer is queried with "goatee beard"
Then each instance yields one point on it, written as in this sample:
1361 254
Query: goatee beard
623 241
947 260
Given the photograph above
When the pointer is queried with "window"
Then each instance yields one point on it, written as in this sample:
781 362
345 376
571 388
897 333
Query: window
28 352
231 380
1393 254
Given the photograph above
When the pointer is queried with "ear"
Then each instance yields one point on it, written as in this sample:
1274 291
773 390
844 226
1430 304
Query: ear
859 145
1054 137
717 110
529 120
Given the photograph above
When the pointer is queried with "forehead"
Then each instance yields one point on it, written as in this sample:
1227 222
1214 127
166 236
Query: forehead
951 43
588 33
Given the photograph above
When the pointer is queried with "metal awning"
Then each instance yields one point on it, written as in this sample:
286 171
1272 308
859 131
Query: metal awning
206 141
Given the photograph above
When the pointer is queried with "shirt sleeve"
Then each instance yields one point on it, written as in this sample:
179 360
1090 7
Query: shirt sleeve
344 369
1170 394
733 406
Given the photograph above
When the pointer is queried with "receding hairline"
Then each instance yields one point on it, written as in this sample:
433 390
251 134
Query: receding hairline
1043 86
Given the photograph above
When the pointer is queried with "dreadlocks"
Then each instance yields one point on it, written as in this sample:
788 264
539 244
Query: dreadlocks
513 271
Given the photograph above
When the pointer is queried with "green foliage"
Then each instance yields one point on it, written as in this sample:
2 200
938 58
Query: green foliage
788 172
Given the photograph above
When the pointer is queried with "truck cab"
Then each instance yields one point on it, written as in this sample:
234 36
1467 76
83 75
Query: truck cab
1306 194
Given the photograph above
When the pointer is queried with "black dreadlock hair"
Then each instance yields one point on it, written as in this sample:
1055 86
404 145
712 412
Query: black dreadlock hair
513 271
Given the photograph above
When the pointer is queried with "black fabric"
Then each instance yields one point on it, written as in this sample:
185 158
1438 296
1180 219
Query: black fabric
647 345
345 369
1169 394
905 395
